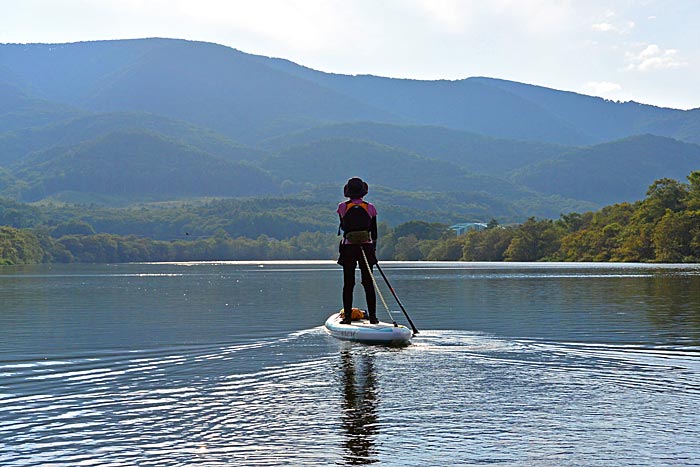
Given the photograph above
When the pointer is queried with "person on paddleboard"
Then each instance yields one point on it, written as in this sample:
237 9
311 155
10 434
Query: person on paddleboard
358 221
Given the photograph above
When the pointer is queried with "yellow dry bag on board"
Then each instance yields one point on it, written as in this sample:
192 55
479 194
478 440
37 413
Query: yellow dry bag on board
356 314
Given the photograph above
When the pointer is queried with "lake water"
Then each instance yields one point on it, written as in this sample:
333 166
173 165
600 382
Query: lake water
218 364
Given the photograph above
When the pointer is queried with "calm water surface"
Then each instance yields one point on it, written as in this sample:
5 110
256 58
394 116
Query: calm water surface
217 364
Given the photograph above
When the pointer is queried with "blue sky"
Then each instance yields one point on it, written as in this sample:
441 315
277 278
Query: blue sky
642 50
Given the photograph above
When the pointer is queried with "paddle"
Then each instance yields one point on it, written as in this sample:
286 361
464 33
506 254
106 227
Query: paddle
376 287
415 331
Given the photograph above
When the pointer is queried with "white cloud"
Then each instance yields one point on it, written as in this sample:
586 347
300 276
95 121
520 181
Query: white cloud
601 88
300 25
450 14
653 57
533 17
603 27
624 28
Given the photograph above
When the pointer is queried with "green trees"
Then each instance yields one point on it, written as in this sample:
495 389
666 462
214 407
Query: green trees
19 247
487 245
73 227
693 193
664 194
533 241
675 236
105 248
663 227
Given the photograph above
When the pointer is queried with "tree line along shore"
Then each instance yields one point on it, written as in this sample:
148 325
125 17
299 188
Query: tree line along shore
662 227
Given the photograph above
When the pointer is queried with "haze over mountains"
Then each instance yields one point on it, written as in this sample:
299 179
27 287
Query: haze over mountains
161 119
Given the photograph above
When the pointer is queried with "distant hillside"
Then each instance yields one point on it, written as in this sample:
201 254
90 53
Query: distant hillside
8 77
20 110
612 172
471 151
402 205
332 160
277 217
504 109
388 170
463 104
22 142
250 98
206 84
71 72
136 164
6 180
684 127
168 119
600 119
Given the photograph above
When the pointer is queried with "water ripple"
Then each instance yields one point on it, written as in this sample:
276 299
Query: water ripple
486 398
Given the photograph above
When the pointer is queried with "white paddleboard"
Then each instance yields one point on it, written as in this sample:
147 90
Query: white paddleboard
362 331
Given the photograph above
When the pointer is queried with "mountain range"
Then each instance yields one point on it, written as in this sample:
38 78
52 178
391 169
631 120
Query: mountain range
160 119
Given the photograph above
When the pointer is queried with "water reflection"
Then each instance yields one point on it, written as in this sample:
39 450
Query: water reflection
674 305
359 416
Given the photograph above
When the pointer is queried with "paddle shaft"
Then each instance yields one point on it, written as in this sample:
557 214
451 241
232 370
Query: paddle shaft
376 287
413 326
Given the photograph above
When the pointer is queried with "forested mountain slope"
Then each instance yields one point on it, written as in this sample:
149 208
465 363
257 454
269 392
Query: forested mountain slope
135 164
612 172
159 119
471 151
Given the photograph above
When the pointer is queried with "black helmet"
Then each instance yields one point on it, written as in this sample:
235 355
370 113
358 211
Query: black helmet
355 188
